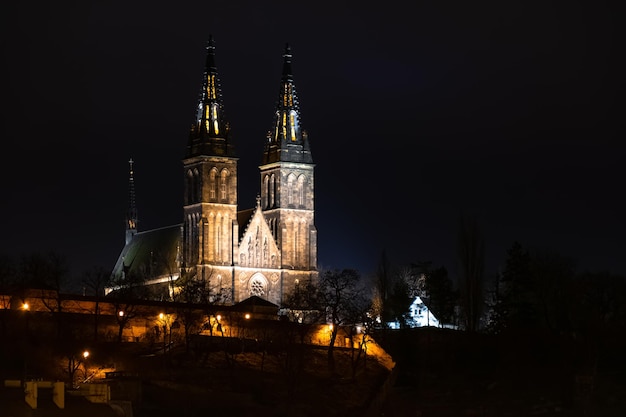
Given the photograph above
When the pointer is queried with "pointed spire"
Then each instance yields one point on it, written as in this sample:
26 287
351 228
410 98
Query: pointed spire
131 215
287 141
209 133
287 75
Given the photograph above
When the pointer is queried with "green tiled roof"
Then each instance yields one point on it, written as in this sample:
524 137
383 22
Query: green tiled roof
151 253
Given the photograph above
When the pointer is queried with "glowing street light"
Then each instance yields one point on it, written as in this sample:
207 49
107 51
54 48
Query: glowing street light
25 306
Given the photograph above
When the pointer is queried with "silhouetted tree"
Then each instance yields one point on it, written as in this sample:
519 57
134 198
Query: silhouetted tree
128 290
553 276
94 282
340 292
517 290
46 274
441 296
188 292
383 287
496 315
471 253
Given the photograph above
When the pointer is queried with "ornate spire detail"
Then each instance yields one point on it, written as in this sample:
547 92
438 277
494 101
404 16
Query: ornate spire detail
209 133
287 141
131 215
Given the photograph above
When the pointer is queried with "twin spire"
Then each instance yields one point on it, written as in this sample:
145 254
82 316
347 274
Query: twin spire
287 141
209 133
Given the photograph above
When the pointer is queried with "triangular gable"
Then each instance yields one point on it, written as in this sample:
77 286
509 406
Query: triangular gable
257 247
421 314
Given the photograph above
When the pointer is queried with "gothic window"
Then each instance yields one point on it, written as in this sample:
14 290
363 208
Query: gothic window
189 187
196 186
273 191
301 191
292 121
257 286
223 180
285 125
213 184
290 189
266 186
215 119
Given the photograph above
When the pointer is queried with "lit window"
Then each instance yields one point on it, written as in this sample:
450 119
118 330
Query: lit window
285 125
215 124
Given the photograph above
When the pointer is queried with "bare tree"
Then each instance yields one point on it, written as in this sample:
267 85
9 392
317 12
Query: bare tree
188 292
340 291
46 274
129 289
94 282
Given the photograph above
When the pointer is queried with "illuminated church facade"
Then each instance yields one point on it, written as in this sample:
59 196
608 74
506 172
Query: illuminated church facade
261 251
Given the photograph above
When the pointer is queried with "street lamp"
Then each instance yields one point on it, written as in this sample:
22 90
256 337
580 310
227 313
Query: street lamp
85 356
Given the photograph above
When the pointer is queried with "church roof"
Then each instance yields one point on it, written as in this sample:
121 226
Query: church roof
151 253
253 301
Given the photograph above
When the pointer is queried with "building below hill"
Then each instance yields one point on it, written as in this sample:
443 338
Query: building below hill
230 253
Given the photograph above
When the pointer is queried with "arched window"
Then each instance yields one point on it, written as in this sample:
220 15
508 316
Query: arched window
213 184
272 197
301 189
196 186
189 187
223 180
291 182
266 194
292 122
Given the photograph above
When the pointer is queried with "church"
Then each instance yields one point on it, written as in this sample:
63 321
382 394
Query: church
230 253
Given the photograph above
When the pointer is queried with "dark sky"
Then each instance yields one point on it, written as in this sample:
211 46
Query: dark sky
417 112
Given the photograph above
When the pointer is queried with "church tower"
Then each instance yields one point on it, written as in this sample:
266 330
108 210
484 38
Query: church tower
210 197
287 184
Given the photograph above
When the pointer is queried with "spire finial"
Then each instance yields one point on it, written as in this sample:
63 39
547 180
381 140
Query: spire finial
287 63
131 216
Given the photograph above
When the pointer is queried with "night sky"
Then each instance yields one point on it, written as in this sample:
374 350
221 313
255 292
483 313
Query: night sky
417 113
